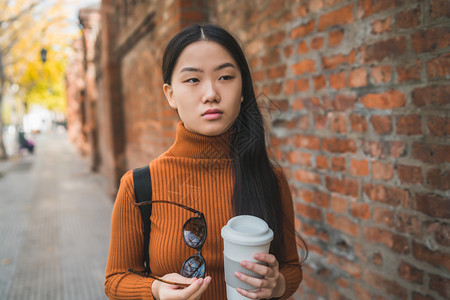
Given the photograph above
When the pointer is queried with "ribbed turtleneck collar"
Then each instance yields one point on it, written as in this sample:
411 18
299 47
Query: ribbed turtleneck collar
193 145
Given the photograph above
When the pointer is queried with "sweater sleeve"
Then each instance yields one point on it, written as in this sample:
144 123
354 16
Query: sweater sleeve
290 265
126 248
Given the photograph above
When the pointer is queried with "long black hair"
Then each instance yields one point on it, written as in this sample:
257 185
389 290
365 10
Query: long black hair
256 190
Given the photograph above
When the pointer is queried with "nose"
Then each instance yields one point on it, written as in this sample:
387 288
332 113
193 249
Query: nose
211 94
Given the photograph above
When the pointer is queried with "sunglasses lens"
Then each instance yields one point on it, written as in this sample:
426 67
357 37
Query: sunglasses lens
194 232
194 266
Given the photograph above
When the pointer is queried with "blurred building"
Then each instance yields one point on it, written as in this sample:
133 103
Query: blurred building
358 93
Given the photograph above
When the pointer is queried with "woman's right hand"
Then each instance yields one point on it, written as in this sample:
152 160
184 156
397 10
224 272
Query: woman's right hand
164 291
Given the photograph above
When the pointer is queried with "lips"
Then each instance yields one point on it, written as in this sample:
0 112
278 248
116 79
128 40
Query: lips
212 114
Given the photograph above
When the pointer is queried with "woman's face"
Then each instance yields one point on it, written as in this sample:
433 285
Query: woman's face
206 88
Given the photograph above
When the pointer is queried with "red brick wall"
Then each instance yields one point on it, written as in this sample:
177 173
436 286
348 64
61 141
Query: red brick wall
359 109
362 96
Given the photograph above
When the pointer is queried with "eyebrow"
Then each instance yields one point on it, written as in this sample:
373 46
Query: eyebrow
222 66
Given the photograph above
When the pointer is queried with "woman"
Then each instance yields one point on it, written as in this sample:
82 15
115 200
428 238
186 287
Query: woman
218 166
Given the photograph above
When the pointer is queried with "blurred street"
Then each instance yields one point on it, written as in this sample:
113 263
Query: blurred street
54 224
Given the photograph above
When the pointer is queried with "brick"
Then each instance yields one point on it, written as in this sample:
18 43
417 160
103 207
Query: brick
409 125
439 179
358 123
431 39
439 67
305 158
440 232
410 174
258 76
338 123
393 241
322 162
408 18
276 72
339 204
310 103
338 60
288 51
275 88
381 124
335 38
435 258
303 30
409 224
438 126
431 96
302 85
308 211
359 167
432 205
315 284
320 121
344 102
338 80
358 78
274 39
410 273
297 105
391 49
384 149
417 296
339 16
377 259
388 195
440 8
380 26
381 171
309 142
389 286
336 145
321 199
319 82
317 42
431 153
381 74
383 216
370 7
361 293
338 164
360 210
343 186
292 157
342 224
343 263
304 66
289 87
441 285
271 58
411 72
304 123
388 100
302 48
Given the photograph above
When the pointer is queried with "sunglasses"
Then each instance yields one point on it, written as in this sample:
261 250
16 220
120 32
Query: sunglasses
194 236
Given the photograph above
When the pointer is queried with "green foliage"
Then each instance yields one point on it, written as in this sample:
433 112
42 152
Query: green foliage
44 83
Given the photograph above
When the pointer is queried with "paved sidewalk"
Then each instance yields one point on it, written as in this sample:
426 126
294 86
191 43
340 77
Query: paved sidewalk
54 225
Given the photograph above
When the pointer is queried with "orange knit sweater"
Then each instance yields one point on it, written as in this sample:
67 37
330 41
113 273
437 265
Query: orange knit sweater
196 171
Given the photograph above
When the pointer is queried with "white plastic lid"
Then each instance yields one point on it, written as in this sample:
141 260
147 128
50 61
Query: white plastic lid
247 230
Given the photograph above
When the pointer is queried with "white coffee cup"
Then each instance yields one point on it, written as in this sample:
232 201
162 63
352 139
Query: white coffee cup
243 236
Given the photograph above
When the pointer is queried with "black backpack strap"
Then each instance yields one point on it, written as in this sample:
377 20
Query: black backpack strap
143 192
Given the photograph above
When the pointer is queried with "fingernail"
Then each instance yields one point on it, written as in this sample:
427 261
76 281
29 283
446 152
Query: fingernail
244 263
238 275
208 280
257 256
199 281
